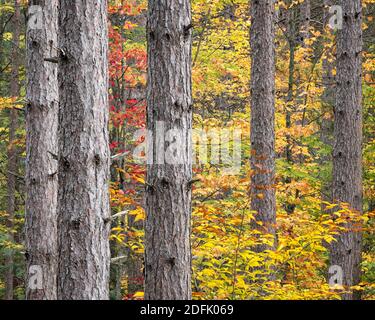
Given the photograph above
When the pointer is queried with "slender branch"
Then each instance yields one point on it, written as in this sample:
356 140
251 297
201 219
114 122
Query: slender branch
120 214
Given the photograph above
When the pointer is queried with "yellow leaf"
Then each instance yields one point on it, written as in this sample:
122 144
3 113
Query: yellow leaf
139 294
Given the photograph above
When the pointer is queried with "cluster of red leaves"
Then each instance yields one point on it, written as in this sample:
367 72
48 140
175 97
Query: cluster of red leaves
129 8
133 114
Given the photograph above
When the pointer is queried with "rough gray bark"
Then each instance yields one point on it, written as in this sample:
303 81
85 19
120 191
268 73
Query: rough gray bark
12 150
347 154
168 191
83 199
263 114
41 148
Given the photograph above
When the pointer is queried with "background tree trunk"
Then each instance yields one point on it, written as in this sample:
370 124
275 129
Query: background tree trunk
305 18
41 148
292 37
168 198
263 115
12 150
83 199
328 102
347 154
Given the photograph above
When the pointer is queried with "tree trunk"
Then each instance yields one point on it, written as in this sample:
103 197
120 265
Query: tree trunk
305 18
292 35
263 115
2 20
328 78
12 151
84 158
168 190
328 101
347 153
41 149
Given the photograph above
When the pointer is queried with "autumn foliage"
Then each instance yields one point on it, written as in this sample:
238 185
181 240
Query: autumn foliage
225 266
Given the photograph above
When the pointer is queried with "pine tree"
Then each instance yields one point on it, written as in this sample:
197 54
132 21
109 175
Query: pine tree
41 150
83 199
12 148
263 200
347 153
168 194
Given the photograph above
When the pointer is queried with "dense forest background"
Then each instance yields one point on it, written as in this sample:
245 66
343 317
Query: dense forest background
224 264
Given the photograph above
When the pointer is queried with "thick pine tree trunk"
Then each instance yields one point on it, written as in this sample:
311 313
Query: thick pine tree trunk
41 149
347 154
168 198
263 115
83 200
12 150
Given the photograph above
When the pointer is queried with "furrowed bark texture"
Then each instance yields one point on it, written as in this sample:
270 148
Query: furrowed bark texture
168 193
347 154
12 151
41 146
263 115
83 200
